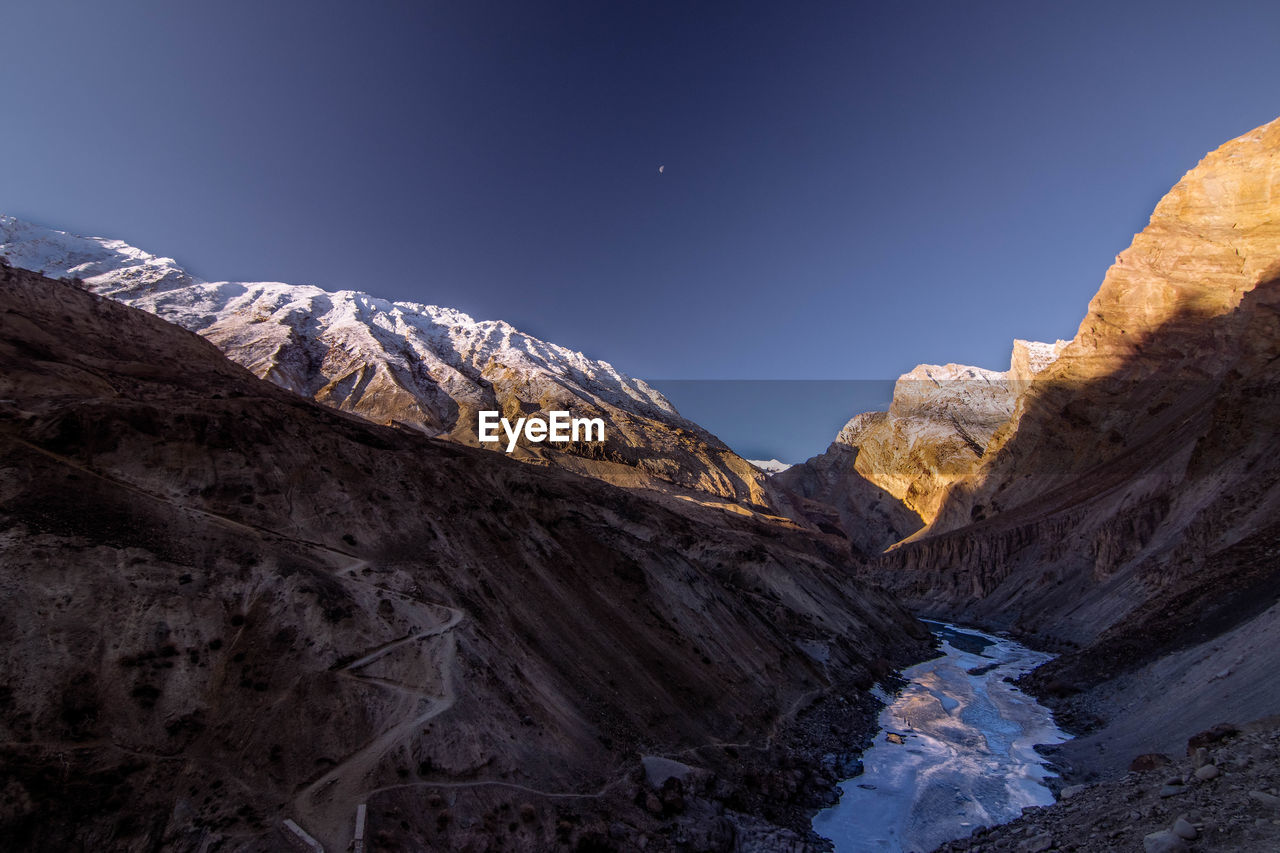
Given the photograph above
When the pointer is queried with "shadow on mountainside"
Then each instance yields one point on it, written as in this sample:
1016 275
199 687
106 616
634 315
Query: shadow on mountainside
1130 517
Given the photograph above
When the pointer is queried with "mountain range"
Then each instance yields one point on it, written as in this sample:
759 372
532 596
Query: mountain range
228 606
259 567
418 366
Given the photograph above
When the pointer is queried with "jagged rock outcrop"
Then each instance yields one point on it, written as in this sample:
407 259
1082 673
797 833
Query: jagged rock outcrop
1128 505
227 605
1167 322
419 366
887 472
939 424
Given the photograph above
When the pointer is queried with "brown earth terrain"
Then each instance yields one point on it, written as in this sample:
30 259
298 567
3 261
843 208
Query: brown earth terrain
227 605
1113 498
1126 513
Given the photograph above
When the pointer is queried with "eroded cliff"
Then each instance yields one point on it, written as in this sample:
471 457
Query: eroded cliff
886 474
1128 505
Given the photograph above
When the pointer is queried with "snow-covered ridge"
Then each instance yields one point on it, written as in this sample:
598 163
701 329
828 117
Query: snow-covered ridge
59 254
952 373
291 333
770 466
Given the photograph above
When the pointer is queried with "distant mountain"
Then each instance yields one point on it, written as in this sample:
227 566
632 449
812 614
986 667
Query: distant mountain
770 466
417 366
936 432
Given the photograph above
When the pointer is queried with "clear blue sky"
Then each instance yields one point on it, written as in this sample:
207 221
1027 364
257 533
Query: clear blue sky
849 188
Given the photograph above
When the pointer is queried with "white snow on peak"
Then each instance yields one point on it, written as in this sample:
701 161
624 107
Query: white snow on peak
951 373
770 466
251 321
59 254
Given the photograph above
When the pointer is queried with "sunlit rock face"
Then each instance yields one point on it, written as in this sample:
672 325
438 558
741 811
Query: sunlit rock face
887 472
1129 503
1163 317
1127 508
422 367
1167 326
939 424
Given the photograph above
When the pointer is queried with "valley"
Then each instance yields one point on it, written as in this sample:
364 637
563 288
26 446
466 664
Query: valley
261 563
252 608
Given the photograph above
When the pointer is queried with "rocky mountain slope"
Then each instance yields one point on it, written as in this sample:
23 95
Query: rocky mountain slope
420 366
887 472
830 494
1220 796
939 424
1128 506
228 606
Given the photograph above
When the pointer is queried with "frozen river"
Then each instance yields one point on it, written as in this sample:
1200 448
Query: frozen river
966 756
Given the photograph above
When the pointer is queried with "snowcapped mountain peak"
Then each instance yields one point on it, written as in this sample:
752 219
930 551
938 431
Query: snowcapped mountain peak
59 254
426 367
770 466
444 339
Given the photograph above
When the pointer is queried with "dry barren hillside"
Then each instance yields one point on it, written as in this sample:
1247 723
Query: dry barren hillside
227 605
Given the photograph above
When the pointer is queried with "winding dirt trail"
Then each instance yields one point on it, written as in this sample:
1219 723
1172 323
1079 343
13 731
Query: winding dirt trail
326 807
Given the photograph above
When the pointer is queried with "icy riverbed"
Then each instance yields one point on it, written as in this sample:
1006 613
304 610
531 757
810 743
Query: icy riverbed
966 757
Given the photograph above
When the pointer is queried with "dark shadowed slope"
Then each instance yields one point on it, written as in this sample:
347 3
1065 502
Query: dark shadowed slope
1130 504
226 605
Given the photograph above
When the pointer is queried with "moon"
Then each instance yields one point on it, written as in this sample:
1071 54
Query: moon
660 168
